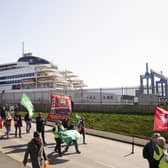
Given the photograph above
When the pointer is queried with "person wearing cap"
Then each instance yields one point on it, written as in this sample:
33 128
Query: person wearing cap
161 155
36 151
149 148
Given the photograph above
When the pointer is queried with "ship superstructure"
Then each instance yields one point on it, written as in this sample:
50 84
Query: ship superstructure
32 72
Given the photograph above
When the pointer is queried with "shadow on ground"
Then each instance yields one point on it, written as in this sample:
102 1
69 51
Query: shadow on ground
55 159
16 148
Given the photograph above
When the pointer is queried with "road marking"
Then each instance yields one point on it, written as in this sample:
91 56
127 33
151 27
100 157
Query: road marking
104 164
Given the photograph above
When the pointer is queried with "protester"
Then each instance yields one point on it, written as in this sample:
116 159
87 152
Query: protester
56 130
17 123
81 128
66 123
161 155
28 121
1 122
3 112
40 126
148 150
72 105
73 141
7 123
36 150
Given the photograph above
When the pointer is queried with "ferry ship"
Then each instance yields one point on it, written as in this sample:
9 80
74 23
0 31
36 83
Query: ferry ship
32 72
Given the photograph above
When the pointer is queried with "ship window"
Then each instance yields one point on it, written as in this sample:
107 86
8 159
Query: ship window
17 76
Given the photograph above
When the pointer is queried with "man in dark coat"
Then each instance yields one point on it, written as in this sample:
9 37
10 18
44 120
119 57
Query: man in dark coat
149 149
18 123
40 126
36 150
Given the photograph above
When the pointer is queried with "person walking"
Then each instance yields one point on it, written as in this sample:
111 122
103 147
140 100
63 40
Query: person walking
56 130
36 151
17 124
71 126
40 126
81 128
148 150
3 112
28 121
161 155
7 123
65 123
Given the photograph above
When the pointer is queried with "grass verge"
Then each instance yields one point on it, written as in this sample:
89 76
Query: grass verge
126 124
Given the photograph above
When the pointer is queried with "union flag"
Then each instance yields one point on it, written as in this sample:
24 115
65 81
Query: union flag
160 119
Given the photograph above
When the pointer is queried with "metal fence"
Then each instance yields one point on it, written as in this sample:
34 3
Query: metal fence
98 99
122 95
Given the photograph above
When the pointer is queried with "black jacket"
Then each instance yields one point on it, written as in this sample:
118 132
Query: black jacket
37 154
40 124
18 120
148 151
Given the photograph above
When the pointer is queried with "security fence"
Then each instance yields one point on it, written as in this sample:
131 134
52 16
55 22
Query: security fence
122 95
121 99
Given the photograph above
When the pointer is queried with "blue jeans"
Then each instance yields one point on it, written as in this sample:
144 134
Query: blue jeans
8 129
28 126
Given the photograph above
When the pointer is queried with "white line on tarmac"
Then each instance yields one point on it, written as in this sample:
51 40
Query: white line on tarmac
104 164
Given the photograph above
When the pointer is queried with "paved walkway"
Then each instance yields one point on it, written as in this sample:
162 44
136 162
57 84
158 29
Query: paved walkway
12 154
8 162
114 136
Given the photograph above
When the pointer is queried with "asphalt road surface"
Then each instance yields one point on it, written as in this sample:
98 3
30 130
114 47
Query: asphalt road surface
7 162
97 153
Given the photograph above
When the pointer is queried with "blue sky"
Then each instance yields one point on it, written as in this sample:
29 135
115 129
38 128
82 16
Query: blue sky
106 42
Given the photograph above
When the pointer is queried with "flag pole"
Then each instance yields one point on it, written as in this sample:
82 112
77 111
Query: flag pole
22 48
133 143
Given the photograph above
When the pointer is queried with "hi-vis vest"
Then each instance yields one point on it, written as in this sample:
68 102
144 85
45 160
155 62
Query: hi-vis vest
160 156
56 133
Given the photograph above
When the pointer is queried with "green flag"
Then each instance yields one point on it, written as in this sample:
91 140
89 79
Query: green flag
78 117
26 102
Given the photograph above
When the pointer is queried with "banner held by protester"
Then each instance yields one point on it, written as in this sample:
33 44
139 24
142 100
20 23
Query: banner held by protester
69 135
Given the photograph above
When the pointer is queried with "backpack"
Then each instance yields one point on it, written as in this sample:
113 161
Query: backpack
145 152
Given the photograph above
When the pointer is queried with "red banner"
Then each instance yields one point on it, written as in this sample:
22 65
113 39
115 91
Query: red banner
60 102
160 119
60 107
